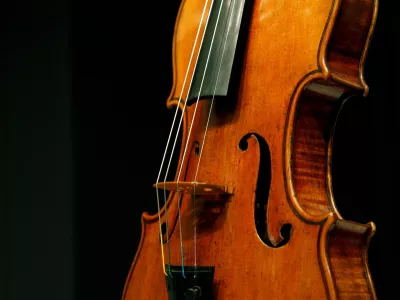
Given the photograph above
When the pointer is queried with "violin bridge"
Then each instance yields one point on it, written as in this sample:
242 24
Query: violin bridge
194 188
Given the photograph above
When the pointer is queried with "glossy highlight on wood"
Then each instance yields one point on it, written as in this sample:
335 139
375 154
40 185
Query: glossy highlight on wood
302 61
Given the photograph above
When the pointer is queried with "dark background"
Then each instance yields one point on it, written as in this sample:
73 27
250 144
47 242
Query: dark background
83 107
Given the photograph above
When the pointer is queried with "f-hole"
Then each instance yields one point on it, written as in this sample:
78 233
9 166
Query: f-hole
262 193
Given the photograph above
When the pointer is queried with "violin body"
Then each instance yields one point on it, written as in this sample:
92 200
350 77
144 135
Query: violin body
268 143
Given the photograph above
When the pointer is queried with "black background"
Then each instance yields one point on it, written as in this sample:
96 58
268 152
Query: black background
84 87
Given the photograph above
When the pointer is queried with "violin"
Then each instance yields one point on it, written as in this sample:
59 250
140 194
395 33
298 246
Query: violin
249 212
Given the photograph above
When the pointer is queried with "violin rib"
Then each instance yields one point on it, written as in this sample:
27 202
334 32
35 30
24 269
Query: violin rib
278 233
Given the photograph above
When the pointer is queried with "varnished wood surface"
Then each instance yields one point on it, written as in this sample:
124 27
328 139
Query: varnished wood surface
302 60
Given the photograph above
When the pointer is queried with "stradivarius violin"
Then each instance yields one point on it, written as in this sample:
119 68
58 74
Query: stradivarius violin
250 214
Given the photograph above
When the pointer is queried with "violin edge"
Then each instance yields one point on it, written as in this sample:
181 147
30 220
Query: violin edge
344 48
322 94
340 241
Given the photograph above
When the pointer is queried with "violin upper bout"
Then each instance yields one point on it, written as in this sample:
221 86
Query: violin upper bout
345 46
190 26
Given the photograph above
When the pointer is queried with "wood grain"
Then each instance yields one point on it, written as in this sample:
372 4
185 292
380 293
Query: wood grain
302 60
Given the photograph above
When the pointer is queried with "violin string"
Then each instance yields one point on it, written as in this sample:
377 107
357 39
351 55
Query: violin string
194 230
194 115
167 232
203 142
213 97
180 235
179 126
164 156
161 238
198 97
